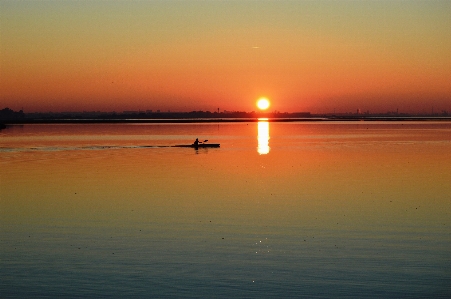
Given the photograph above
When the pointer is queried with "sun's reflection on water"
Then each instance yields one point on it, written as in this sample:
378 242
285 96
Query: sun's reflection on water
263 136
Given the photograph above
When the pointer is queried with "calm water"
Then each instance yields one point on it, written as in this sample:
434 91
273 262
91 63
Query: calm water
281 210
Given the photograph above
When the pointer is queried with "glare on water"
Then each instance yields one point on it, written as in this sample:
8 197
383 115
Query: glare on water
263 137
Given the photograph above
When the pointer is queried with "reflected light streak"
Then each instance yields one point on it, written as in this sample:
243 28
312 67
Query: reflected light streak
263 136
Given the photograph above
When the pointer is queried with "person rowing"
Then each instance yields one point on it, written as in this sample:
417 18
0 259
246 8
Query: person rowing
197 142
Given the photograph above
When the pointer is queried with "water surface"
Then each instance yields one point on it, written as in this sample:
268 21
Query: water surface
288 210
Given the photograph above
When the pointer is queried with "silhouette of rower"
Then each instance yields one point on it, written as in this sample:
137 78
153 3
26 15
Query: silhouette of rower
196 143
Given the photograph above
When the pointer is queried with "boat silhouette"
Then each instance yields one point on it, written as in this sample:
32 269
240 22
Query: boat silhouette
200 145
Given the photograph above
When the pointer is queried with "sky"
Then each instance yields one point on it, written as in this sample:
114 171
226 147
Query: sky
316 56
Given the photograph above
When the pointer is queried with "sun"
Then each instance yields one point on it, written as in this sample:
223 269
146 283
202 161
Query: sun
263 103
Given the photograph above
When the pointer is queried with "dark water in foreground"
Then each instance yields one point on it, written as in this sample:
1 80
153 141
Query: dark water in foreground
286 210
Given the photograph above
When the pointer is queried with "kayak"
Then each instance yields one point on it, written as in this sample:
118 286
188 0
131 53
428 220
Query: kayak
200 145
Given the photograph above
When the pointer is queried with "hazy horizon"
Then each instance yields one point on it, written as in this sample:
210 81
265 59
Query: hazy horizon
432 111
316 56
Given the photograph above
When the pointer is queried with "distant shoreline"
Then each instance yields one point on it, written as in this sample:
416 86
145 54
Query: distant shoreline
213 120
10 117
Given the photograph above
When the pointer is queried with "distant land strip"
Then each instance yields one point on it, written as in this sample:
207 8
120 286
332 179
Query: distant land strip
8 116
214 120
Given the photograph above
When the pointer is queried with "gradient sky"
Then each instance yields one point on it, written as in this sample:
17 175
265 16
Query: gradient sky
316 56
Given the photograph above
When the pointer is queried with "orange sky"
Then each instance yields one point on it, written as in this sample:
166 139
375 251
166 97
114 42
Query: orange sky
316 56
